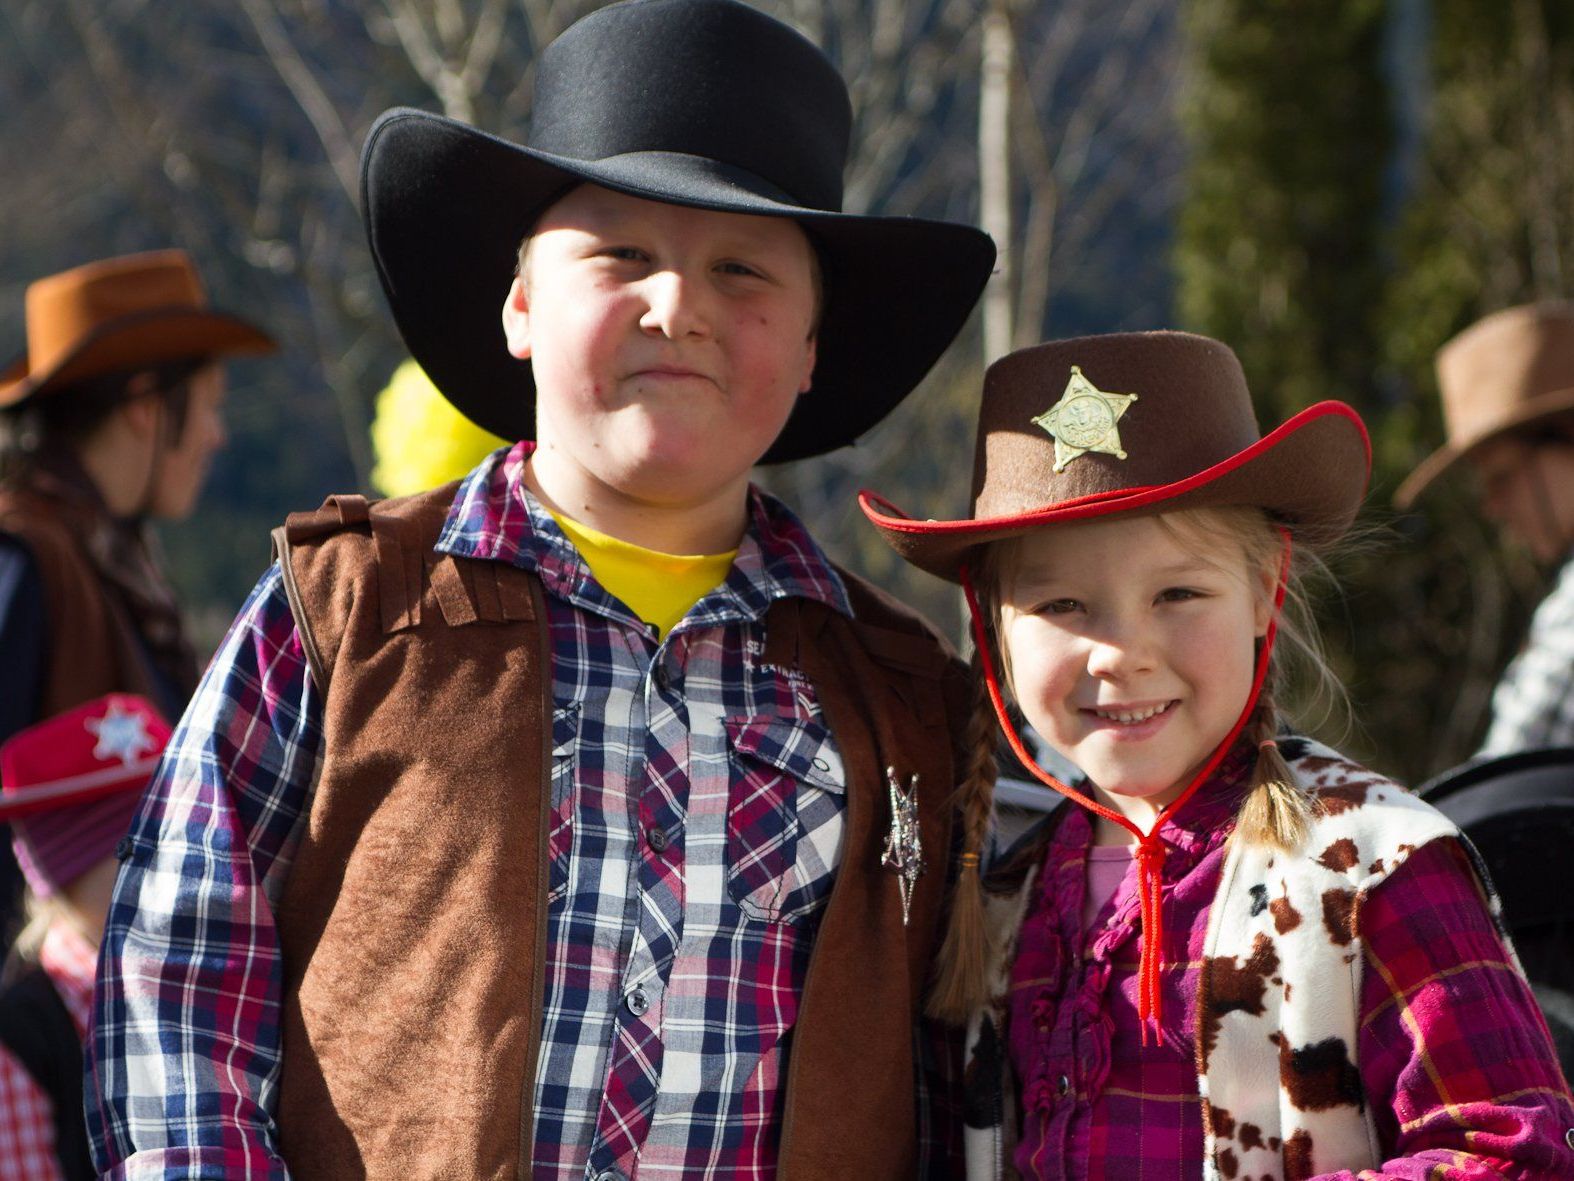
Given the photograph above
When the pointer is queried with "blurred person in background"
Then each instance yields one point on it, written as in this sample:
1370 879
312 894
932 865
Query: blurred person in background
1507 385
70 786
107 420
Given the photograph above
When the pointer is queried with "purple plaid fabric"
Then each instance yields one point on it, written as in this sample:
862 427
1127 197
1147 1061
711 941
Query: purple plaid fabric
697 798
1454 1056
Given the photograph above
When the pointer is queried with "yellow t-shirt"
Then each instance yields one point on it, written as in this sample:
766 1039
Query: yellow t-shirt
659 588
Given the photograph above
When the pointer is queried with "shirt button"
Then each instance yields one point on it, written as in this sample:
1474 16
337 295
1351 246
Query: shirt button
656 838
1062 1086
637 1002
659 675
123 848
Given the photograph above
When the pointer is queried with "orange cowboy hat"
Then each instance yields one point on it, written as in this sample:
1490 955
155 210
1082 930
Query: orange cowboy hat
117 315
1511 369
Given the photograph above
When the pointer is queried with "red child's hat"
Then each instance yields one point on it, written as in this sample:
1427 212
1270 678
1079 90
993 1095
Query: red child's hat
70 784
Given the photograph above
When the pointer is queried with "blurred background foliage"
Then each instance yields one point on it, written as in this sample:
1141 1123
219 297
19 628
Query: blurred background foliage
1331 186
1366 179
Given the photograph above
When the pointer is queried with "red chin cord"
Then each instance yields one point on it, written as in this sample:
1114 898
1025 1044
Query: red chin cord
1151 849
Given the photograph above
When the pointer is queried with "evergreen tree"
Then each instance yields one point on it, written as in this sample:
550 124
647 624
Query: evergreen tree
1288 250
1491 224
1288 117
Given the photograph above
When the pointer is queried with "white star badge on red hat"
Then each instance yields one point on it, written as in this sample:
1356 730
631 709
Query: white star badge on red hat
121 735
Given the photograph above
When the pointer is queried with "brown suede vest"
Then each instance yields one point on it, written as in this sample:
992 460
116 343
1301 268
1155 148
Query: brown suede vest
413 924
92 647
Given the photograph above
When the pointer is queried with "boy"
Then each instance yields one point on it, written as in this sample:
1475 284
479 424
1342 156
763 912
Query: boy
570 823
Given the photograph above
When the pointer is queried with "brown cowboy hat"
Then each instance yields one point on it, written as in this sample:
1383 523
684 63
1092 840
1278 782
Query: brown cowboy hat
117 315
1511 369
1132 422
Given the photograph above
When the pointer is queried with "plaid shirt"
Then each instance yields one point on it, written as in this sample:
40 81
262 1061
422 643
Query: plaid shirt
1533 704
1454 1057
27 1116
697 823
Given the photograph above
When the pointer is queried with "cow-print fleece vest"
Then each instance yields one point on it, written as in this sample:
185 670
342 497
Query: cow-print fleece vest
1278 1002
1282 968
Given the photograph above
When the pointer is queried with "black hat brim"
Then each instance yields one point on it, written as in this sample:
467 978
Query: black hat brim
446 206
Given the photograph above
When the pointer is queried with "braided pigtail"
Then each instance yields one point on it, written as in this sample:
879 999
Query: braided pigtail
961 977
1277 811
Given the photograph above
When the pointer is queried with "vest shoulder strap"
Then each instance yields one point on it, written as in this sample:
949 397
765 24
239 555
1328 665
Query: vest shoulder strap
93 645
56 550
329 559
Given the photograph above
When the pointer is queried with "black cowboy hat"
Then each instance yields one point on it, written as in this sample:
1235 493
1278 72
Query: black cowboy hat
703 103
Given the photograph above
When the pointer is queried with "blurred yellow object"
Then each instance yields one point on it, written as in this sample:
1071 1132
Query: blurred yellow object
419 440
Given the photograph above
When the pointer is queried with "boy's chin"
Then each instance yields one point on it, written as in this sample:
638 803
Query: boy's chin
676 477
676 461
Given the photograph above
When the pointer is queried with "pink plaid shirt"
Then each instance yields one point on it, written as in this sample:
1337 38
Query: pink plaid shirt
1455 1060
27 1128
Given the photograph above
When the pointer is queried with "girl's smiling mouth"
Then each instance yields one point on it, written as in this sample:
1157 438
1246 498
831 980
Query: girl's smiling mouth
1130 715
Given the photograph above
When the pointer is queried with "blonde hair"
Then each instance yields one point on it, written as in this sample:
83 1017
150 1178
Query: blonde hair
1276 811
39 914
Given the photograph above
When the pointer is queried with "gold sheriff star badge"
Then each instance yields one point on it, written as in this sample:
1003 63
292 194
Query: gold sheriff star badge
1085 420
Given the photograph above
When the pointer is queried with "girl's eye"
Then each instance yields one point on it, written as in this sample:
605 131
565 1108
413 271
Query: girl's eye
624 253
1178 594
736 268
1059 607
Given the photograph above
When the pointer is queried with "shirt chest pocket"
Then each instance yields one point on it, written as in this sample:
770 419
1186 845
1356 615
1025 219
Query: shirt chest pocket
785 816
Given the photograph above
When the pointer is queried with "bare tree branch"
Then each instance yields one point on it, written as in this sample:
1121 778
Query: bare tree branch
335 138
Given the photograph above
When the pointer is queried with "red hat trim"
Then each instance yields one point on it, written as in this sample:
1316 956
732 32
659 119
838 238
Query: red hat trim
1096 504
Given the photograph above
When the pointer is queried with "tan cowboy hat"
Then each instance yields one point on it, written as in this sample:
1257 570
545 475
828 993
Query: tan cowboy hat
1509 370
117 315
1132 422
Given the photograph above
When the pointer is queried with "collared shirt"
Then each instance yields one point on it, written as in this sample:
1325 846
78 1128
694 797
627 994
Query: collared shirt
697 822
1533 704
1456 1087
27 1116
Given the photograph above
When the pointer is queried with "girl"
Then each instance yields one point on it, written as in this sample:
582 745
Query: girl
69 787
1244 955
107 422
